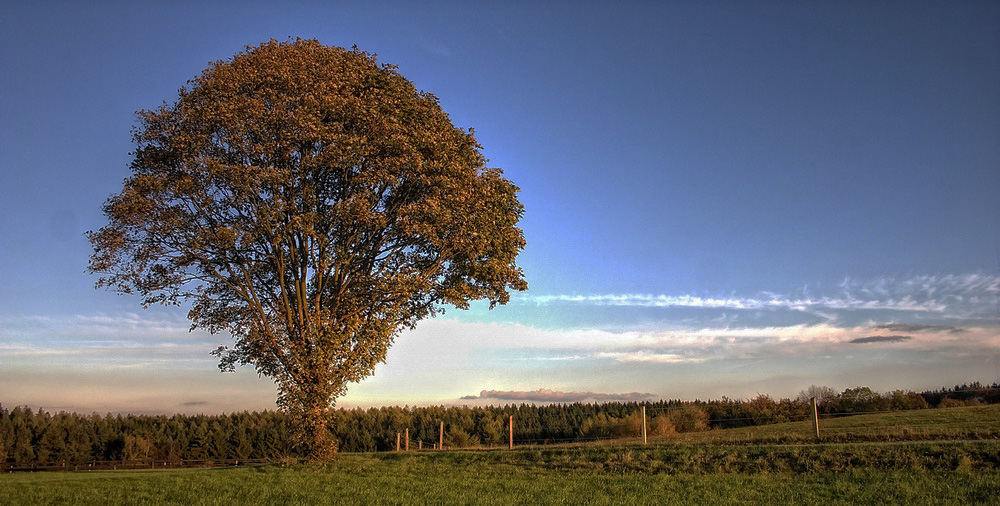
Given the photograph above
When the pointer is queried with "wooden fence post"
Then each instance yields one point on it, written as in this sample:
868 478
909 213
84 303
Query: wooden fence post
644 425
407 439
815 418
397 441
420 444
511 425
441 437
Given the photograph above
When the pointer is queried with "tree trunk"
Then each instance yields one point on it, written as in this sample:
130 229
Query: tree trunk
311 410
312 431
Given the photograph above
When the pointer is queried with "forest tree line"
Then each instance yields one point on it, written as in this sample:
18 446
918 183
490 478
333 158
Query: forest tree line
39 436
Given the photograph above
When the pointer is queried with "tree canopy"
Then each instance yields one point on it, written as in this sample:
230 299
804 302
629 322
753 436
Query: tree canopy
312 203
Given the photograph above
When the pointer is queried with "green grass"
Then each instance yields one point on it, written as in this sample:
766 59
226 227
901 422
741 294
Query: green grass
519 477
705 471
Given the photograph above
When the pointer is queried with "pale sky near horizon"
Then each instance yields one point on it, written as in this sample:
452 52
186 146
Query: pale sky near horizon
721 198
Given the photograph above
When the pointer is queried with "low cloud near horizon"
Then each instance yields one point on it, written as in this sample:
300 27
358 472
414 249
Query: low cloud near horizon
880 339
546 395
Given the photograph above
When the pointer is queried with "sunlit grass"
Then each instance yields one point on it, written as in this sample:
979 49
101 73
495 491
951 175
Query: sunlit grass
981 422
436 479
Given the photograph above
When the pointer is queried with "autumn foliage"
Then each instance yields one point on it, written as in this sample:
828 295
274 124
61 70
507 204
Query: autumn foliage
311 203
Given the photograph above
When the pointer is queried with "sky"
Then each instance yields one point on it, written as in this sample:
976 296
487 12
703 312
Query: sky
721 198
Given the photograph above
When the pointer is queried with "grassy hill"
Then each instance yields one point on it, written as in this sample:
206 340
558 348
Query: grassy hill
980 422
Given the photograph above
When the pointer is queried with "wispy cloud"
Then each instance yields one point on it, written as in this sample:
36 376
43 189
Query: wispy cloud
555 348
914 327
467 354
546 395
765 301
648 356
968 295
150 326
100 340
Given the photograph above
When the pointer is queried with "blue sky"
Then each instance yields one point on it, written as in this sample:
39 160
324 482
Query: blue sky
721 198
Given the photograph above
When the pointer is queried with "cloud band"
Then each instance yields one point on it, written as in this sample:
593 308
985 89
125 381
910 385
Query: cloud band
546 395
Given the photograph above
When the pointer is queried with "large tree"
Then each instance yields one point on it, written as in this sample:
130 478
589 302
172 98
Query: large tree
312 203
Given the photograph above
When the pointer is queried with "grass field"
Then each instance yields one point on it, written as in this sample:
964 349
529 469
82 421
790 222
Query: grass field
671 472
981 422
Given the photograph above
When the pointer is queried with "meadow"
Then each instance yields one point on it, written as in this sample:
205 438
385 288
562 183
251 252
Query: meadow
965 423
669 470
